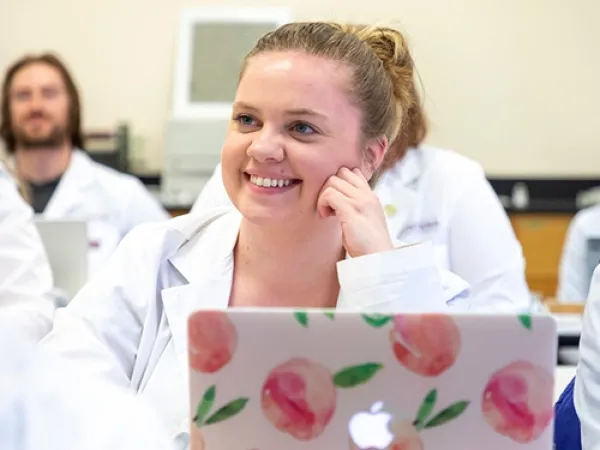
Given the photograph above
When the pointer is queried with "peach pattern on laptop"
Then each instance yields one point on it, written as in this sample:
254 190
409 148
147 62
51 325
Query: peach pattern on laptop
454 384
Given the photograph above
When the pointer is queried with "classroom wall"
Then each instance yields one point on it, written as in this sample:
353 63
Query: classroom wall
512 83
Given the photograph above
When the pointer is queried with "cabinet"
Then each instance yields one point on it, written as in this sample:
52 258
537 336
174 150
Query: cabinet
542 236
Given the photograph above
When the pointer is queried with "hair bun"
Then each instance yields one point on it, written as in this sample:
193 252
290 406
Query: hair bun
391 48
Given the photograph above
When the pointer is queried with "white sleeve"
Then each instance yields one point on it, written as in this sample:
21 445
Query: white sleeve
101 328
586 395
573 276
25 274
484 250
47 404
405 279
213 195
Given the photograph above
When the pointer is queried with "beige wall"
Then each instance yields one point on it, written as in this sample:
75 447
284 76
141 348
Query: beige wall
512 83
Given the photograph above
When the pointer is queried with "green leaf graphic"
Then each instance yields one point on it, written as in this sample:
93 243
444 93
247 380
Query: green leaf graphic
526 320
227 411
302 318
448 414
426 409
205 405
330 314
376 320
355 375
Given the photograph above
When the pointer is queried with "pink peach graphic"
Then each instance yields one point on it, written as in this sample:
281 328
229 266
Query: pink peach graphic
426 344
406 437
196 439
517 401
212 341
299 398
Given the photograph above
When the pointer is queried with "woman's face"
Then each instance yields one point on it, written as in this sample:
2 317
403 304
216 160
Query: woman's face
293 126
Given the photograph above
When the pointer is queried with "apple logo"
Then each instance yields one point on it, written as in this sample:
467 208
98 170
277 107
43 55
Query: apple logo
370 429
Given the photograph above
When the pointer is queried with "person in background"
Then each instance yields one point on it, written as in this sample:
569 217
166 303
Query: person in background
41 129
46 404
25 275
315 108
586 392
567 427
438 195
581 255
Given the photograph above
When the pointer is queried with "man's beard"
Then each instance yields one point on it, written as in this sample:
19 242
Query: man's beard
55 138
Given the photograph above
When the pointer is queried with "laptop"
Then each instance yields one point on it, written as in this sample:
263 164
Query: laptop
275 379
66 245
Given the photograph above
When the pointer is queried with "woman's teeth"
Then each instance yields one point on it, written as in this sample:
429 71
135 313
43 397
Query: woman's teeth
268 182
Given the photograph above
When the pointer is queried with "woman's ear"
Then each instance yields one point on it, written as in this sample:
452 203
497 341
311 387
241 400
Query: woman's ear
373 155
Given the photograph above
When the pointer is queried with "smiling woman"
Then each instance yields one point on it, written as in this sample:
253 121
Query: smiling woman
429 194
314 111
299 148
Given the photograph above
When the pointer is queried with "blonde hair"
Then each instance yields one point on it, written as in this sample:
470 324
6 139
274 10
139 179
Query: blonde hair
382 73
414 126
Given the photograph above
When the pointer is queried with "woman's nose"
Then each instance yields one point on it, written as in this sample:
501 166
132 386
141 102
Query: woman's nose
266 149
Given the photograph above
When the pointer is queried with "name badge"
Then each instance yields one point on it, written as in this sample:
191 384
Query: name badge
425 227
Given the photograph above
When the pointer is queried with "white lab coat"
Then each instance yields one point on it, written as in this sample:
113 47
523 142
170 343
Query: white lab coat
46 404
442 196
25 275
111 202
586 395
129 324
581 254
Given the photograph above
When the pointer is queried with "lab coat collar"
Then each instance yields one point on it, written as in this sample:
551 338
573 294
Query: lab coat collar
207 243
70 192
204 260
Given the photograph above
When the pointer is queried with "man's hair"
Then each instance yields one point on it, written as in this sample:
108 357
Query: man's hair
74 125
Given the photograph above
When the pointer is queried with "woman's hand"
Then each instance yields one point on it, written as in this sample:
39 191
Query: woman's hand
348 196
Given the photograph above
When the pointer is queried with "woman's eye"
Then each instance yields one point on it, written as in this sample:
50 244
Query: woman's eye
246 120
303 128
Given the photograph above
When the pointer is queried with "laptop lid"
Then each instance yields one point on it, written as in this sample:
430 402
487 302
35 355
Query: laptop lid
66 245
276 379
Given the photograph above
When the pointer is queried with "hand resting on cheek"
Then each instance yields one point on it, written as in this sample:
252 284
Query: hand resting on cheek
348 196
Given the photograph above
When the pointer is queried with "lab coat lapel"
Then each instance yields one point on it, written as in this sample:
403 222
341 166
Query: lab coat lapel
204 264
70 192
397 191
